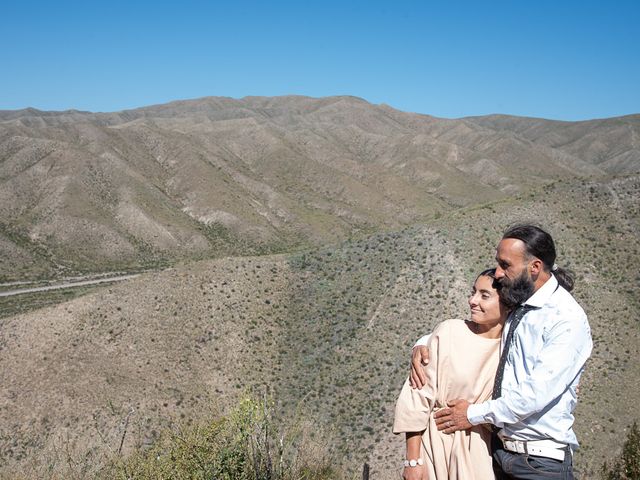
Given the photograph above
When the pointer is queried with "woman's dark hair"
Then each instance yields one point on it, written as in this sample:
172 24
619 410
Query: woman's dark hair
489 272
539 244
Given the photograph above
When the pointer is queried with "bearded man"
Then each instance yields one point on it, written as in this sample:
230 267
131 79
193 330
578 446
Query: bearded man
545 344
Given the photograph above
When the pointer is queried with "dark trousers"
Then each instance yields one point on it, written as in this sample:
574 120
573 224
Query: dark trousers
521 466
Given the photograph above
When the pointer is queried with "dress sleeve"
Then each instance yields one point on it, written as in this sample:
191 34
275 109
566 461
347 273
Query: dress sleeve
414 407
424 340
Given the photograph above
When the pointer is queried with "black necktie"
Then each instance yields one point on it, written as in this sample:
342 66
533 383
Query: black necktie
517 315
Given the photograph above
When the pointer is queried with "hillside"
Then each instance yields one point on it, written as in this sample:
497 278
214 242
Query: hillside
327 329
145 188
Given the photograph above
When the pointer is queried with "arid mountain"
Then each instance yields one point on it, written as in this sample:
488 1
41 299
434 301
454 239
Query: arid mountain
83 191
611 144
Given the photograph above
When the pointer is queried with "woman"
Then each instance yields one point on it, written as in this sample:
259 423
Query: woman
463 358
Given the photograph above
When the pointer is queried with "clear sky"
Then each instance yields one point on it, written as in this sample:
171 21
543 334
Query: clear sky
559 59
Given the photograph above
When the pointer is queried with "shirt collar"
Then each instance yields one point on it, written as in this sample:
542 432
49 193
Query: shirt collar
542 295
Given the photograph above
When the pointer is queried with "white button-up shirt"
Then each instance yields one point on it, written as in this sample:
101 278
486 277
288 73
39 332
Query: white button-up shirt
549 350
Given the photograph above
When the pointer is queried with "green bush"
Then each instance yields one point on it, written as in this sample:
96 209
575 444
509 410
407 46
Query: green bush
247 444
627 466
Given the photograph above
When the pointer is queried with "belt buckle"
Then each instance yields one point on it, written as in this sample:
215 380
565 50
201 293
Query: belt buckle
514 446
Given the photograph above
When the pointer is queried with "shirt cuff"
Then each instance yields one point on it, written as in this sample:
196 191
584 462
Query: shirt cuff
477 413
423 340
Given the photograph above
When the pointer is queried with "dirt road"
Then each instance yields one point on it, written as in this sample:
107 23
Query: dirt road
80 283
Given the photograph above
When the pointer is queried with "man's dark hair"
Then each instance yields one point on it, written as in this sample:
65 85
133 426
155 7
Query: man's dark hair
539 244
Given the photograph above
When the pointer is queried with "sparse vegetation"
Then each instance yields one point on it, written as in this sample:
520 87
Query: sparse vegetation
248 443
627 465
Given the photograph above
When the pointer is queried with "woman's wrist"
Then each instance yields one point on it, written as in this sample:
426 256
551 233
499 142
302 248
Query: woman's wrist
413 462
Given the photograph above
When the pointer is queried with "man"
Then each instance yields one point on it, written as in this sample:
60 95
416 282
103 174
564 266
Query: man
545 344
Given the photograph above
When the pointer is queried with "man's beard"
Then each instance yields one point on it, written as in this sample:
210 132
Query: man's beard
515 292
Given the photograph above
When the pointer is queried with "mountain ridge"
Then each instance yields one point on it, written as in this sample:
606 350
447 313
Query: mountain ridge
199 177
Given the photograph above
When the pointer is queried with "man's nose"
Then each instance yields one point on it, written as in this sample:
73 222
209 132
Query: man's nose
499 272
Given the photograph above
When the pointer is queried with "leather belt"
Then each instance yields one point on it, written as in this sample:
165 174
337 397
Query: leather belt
538 448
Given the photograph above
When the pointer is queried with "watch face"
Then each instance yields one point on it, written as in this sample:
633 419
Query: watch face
413 463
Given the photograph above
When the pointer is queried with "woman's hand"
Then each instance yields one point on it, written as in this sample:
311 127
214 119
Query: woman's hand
415 473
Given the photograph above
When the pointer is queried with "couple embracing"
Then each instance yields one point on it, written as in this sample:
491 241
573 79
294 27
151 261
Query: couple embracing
497 394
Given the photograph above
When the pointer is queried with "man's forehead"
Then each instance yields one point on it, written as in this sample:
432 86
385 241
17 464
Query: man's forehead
509 247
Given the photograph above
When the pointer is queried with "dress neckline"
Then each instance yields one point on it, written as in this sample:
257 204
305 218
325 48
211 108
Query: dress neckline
467 327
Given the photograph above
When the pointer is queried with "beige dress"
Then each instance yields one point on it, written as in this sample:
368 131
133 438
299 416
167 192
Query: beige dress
461 365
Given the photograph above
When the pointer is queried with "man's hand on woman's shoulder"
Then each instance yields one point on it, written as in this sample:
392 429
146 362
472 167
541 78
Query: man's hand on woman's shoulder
419 358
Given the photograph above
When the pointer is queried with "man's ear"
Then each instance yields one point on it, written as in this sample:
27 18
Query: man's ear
535 267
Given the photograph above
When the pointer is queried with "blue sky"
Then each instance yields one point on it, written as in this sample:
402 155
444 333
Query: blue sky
569 60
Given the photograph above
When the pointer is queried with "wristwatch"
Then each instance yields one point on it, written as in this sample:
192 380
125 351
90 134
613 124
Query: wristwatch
413 462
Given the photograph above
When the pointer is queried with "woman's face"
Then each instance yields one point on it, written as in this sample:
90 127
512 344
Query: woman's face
484 303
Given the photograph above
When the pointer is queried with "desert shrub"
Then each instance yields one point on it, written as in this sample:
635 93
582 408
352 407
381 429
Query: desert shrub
627 465
246 444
